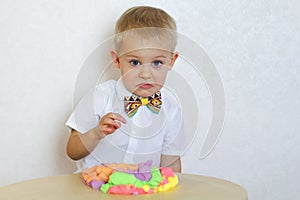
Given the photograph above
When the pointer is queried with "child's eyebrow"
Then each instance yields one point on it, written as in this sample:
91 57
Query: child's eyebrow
131 56
162 56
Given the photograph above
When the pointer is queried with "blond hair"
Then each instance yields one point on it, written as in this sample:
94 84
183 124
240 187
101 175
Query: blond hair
149 20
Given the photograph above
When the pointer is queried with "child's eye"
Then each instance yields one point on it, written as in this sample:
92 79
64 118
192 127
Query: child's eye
135 63
157 63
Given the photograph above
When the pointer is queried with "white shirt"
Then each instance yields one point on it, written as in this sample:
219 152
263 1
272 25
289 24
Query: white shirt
145 136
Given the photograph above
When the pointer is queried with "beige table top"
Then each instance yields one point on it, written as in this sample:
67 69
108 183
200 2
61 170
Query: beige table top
70 187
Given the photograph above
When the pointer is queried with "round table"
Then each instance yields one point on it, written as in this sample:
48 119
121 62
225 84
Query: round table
71 187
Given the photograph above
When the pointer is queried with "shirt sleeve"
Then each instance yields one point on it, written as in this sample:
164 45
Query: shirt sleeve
174 141
84 117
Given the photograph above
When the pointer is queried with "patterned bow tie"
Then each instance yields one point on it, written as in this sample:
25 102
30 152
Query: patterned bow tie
132 103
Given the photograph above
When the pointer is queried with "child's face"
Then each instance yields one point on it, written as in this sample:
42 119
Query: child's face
144 65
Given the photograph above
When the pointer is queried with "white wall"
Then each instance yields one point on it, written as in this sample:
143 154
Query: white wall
255 46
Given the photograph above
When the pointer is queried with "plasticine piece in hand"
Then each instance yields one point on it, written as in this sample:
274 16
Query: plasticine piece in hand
144 171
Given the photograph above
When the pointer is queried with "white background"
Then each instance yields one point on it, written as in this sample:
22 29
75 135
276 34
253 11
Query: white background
255 46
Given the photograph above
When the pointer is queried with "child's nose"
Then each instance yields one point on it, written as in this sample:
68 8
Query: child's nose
145 72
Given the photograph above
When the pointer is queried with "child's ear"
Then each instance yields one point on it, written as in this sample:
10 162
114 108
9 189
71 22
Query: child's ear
115 58
173 59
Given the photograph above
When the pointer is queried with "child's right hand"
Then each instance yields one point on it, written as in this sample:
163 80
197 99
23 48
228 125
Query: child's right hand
110 122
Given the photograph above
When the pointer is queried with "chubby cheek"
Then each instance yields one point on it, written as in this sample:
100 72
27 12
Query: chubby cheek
130 80
160 78
129 83
125 71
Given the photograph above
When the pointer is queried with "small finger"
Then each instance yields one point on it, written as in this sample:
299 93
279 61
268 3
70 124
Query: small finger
117 124
108 130
118 117
110 122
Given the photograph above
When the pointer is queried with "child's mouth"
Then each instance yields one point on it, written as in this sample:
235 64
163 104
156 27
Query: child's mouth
145 86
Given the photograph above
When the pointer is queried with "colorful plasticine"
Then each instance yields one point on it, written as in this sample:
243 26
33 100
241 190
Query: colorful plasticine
144 171
128 189
130 179
122 178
